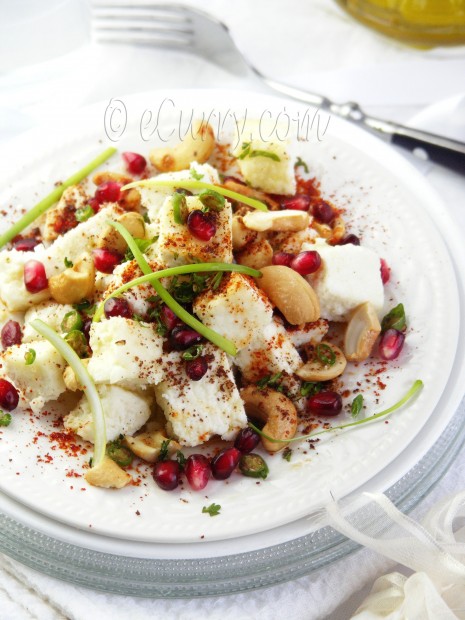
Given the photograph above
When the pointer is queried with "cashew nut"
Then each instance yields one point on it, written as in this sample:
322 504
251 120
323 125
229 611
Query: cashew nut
316 370
104 176
147 445
245 190
338 229
290 220
257 254
361 333
197 146
130 199
241 235
70 379
273 408
75 283
112 240
108 475
290 293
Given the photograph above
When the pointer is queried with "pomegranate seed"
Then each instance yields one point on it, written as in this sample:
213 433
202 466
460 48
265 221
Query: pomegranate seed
198 471
135 163
25 245
225 463
11 334
306 263
86 329
283 258
325 403
94 204
106 260
385 271
117 307
167 474
349 239
183 337
246 440
201 225
9 396
300 202
168 318
35 279
108 192
390 344
196 369
323 212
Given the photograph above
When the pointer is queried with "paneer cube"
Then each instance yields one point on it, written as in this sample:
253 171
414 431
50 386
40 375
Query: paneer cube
177 245
349 276
125 352
125 413
49 312
237 309
197 410
39 382
265 160
13 293
270 352
308 333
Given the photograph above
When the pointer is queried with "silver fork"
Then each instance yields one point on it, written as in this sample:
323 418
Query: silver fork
179 27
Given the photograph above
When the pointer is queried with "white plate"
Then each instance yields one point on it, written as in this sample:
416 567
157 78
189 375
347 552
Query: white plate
385 206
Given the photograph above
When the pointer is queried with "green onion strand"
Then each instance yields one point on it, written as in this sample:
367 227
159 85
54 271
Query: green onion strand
54 196
416 387
85 380
191 184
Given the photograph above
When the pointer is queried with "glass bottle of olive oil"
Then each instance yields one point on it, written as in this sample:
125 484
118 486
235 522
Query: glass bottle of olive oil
423 23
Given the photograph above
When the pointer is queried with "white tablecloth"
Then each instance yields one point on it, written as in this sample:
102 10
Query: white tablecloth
311 44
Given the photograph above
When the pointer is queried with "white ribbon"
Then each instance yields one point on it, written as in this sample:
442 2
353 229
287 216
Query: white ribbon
436 554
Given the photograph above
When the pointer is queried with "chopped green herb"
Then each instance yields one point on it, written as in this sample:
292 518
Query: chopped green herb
181 459
300 162
196 175
85 306
68 263
146 218
192 353
395 319
164 450
30 357
287 454
269 380
325 354
247 151
356 406
213 510
309 388
212 200
5 420
72 320
119 453
83 214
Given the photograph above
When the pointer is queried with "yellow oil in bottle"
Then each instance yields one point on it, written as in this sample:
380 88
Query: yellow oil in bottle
423 23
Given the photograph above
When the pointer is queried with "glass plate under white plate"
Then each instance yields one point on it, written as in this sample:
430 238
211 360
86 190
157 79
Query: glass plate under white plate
369 169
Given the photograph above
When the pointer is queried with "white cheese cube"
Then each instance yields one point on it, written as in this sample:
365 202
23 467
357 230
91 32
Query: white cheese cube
136 296
81 239
237 309
13 293
270 352
265 161
197 410
125 412
177 245
349 276
307 333
40 381
48 312
153 198
125 352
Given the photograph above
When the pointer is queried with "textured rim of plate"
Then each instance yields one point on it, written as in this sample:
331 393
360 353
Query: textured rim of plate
253 569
